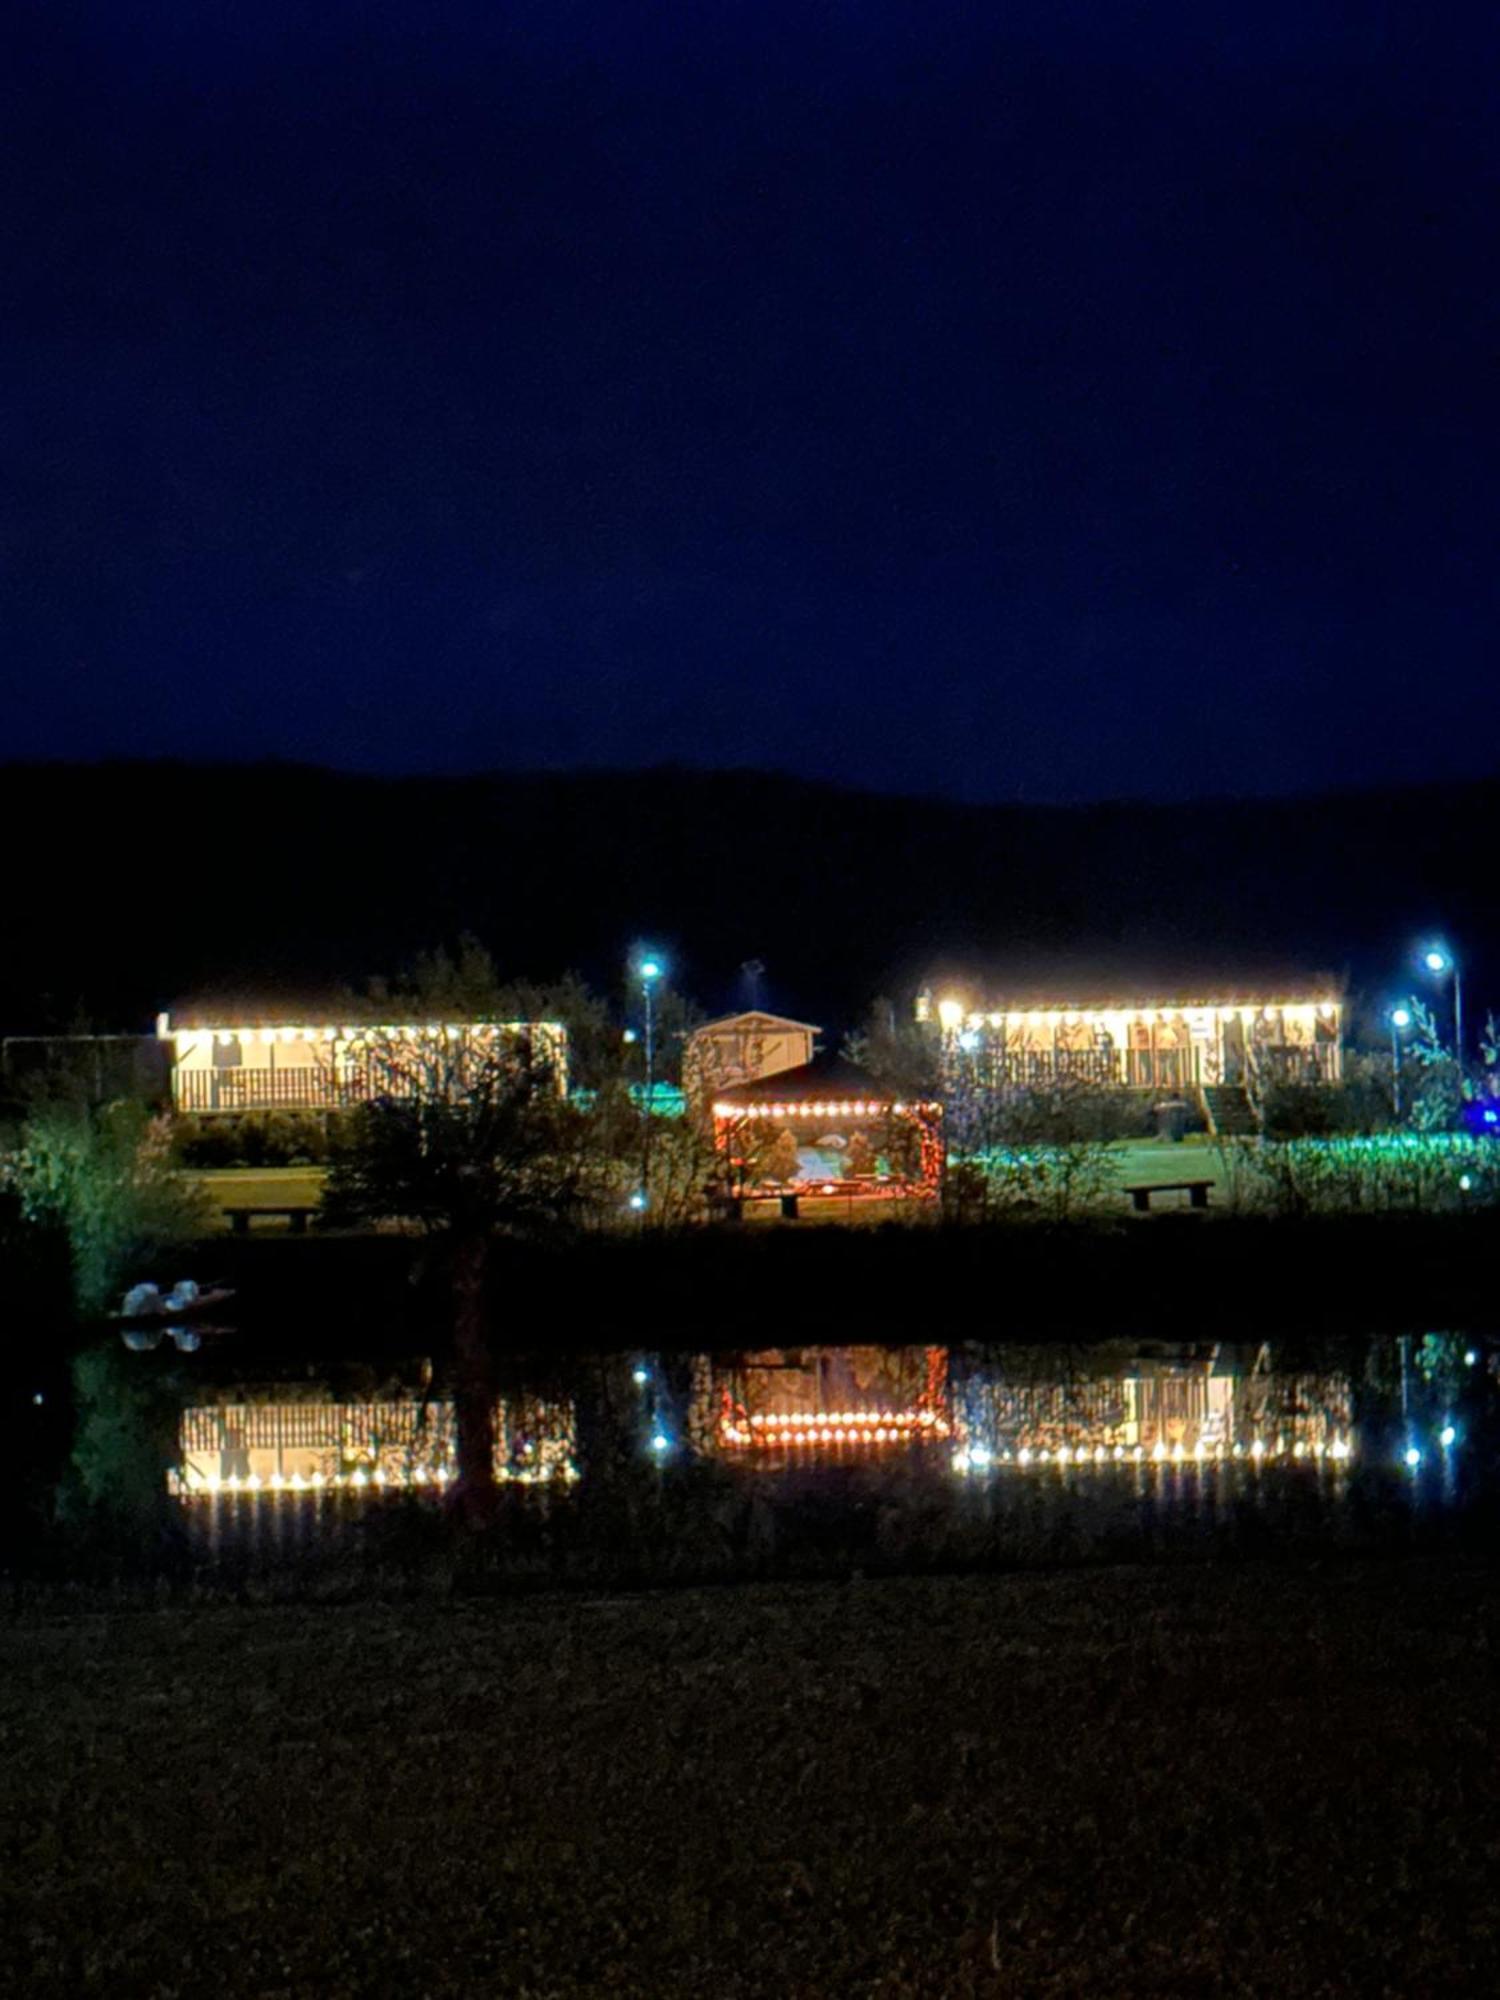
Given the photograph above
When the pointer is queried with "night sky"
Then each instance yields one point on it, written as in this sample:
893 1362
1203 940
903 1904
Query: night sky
1017 400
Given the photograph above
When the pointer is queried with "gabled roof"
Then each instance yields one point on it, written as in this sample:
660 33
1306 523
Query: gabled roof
754 1017
827 1079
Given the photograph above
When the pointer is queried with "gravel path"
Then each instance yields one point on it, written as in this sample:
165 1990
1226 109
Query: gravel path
1257 1781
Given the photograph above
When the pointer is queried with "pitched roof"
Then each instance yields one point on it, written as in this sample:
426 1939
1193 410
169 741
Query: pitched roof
827 1078
757 1017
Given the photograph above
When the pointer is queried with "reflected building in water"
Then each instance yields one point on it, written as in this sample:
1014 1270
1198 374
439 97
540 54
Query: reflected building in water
1016 1405
312 1445
962 1410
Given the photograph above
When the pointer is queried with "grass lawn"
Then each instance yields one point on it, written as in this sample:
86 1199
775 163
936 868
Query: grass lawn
260 1187
1247 1780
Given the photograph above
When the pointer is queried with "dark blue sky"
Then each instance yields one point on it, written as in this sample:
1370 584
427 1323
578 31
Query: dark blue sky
1020 399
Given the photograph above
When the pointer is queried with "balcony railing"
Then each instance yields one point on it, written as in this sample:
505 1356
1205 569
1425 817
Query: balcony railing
310 1089
1314 1065
1150 1069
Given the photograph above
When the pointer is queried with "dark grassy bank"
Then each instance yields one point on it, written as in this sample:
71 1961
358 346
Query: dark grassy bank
1143 1782
1168 1276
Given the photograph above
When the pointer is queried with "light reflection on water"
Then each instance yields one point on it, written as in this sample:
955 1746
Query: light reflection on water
972 1413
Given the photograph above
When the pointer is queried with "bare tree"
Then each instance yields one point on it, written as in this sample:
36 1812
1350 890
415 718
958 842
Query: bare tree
468 1140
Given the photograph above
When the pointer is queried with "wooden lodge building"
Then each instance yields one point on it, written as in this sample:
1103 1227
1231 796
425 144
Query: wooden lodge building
256 1059
1220 1045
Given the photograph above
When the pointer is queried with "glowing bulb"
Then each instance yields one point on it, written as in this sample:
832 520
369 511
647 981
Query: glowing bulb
1446 1436
640 1376
1413 1457
1470 1357
660 1442
980 1456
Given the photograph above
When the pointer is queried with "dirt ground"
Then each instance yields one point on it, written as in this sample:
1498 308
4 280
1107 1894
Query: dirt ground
1253 1780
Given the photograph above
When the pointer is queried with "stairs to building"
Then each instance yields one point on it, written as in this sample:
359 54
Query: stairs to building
1228 1111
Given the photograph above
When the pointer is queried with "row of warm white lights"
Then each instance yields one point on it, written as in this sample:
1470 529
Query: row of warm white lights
203 1486
836 1427
855 1108
268 1037
954 1014
978 1457
770 1420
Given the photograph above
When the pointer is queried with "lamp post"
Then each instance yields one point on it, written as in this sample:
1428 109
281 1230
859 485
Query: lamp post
1400 1022
1439 960
648 969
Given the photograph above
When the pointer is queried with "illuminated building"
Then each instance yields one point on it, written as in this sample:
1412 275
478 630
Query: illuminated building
835 1402
279 1445
246 1061
1221 1051
827 1128
744 1048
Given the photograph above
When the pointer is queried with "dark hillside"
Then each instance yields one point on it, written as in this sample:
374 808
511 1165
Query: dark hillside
132 885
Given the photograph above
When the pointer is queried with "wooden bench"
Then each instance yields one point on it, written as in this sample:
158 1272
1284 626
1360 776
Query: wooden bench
297 1214
1141 1193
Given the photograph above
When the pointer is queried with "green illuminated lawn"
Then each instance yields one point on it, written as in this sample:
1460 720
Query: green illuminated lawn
260 1187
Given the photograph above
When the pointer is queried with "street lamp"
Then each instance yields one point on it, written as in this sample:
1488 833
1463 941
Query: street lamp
649 969
1400 1022
1439 961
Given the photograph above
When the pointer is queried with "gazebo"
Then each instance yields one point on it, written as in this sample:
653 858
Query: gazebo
827 1128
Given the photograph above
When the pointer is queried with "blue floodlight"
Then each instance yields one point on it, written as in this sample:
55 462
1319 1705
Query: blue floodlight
1400 1017
1436 959
660 1442
650 968
1471 1356
968 1041
1447 1437
1413 1457
639 1200
980 1455
640 1377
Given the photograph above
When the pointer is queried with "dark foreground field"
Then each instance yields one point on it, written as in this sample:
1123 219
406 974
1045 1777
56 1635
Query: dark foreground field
1259 1780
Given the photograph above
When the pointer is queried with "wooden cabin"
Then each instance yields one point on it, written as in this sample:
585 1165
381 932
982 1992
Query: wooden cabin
232 1060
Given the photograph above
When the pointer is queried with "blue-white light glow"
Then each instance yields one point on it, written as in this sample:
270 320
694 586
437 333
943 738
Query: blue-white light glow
639 1200
640 1377
1447 1437
660 1442
1413 1457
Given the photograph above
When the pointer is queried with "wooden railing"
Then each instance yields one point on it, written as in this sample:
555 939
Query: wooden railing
312 1089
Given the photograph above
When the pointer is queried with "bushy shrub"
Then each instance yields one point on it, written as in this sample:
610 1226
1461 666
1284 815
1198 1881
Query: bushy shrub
1409 1172
1052 1183
1322 1111
107 1179
255 1139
